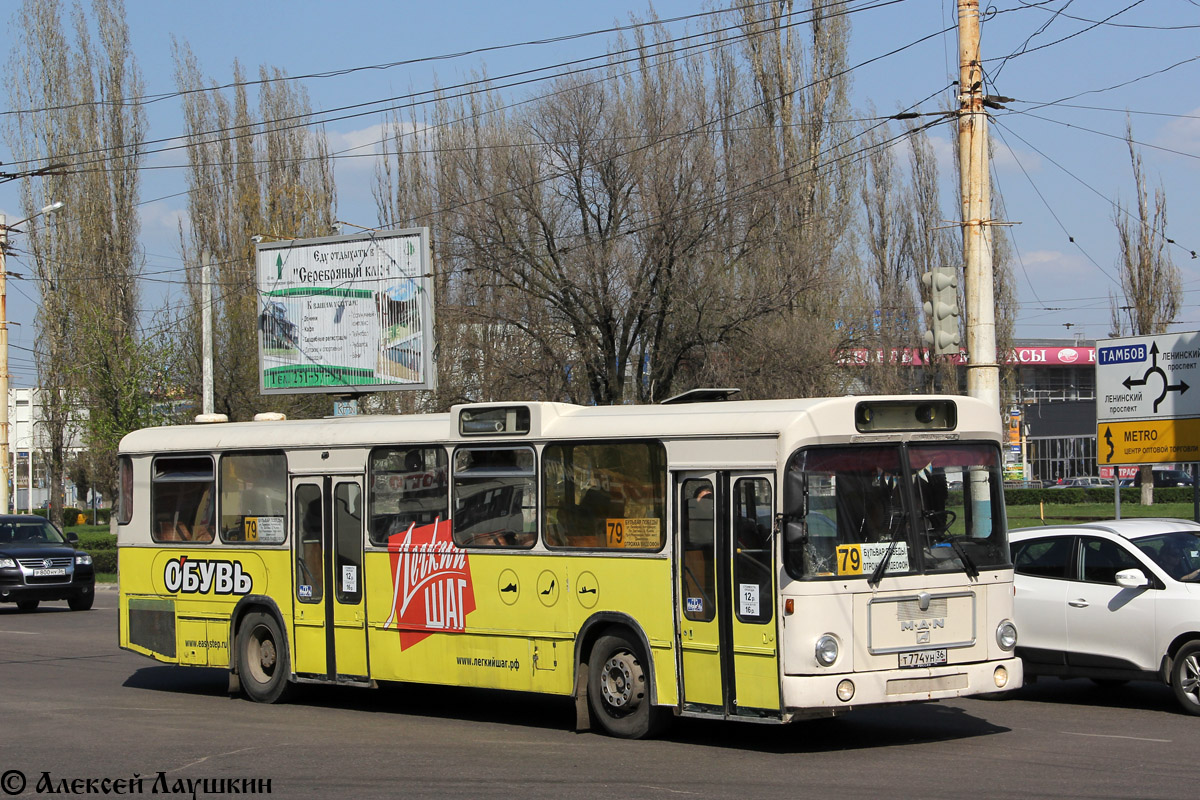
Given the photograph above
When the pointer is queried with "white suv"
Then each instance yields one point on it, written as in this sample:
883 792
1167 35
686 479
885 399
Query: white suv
1111 601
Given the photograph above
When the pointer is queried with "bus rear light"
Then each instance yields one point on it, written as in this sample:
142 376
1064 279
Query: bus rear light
845 691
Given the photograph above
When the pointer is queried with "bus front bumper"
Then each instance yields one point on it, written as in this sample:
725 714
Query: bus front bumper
844 691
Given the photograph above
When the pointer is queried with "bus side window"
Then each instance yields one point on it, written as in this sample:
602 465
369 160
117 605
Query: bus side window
494 497
699 556
605 495
752 573
408 488
181 499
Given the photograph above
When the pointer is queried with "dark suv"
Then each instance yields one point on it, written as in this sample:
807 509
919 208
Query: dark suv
1166 478
38 562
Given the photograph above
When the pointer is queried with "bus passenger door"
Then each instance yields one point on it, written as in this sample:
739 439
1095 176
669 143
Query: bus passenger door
345 562
727 616
700 614
330 640
753 622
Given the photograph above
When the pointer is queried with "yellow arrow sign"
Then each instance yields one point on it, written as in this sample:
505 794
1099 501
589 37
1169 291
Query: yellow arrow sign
1148 441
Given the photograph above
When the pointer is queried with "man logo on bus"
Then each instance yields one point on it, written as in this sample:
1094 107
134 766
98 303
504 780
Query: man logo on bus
432 590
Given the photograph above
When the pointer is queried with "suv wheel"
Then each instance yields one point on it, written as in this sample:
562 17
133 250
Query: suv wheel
1185 677
82 601
27 605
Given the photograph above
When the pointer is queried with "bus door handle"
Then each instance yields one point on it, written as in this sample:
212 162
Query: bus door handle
1077 603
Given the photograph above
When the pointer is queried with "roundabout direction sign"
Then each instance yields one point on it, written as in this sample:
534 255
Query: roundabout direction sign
1148 399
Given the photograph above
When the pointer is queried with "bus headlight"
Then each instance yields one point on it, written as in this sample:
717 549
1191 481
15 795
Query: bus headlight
827 650
1006 635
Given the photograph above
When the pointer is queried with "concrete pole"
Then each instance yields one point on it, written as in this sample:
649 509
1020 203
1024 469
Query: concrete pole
4 473
983 373
206 317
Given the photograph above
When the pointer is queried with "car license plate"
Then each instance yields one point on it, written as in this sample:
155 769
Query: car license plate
923 658
48 573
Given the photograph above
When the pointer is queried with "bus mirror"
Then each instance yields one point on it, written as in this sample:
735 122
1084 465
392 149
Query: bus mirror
795 493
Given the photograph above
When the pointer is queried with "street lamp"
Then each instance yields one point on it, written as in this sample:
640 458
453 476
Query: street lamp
4 229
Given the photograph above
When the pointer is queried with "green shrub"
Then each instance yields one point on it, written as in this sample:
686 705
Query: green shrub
96 540
104 560
1130 494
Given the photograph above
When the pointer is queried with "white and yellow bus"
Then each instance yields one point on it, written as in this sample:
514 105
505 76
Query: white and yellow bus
757 560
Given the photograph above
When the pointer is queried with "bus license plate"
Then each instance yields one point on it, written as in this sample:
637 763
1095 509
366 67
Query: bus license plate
48 573
924 658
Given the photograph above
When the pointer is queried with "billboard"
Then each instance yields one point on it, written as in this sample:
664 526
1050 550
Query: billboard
346 314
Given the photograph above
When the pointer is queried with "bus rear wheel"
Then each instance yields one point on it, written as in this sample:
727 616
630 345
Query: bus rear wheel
262 659
618 694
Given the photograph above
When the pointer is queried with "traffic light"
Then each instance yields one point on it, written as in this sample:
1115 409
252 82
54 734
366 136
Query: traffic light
942 308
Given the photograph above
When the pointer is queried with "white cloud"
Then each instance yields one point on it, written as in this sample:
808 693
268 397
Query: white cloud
1181 134
160 227
1052 264
1004 158
356 151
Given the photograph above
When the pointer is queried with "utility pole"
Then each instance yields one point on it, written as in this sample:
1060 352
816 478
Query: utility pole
983 373
206 400
4 474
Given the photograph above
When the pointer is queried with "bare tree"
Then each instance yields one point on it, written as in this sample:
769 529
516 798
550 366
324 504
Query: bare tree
268 175
932 242
890 282
1150 281
80 116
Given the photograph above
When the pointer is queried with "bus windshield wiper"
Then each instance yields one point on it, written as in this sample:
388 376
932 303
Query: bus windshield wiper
881 567
968 565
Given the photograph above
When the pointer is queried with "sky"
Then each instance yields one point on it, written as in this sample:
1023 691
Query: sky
1076 71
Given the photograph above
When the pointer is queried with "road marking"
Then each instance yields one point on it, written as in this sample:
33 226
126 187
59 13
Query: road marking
1111 736
26 633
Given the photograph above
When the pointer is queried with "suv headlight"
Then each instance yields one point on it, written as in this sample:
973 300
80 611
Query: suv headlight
7 563
83 558
826 650
1006 635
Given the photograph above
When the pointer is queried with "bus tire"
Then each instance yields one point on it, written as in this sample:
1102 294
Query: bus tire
262 659
618 693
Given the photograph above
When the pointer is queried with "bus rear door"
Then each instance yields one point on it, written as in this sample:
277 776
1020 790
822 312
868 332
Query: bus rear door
330 634
727 615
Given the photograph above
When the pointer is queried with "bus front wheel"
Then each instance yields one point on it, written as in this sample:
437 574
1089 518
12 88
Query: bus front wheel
618 693
262 659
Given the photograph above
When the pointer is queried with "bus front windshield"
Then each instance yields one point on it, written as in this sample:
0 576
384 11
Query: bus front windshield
869 511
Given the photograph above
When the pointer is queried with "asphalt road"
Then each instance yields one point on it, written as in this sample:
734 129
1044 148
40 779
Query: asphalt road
75 708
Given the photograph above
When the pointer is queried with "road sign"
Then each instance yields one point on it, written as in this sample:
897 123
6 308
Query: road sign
1163 441
1148 377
